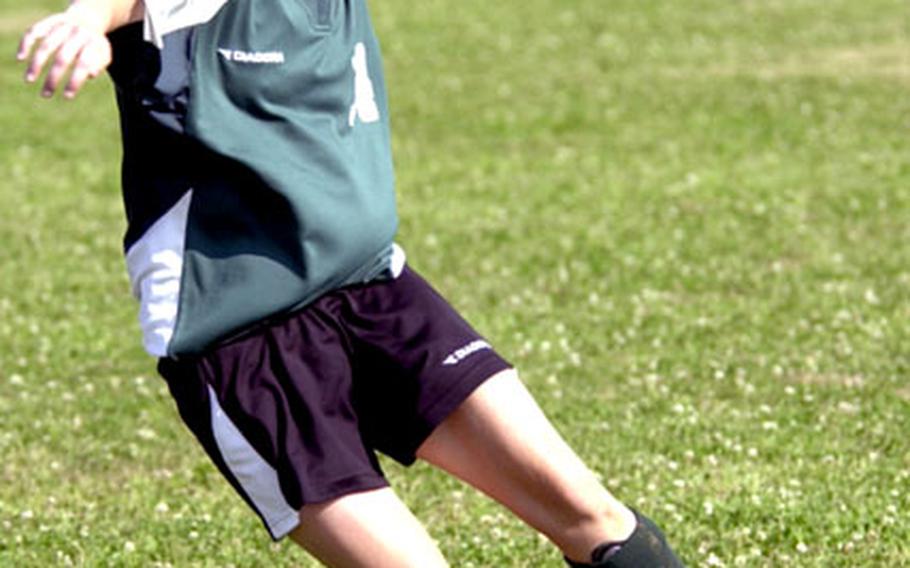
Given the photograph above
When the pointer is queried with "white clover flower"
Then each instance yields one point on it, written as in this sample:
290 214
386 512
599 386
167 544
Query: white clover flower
713 560
146 433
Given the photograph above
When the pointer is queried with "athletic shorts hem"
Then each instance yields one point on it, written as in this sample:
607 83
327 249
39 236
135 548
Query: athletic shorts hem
333 490
284 526
440 409
345 486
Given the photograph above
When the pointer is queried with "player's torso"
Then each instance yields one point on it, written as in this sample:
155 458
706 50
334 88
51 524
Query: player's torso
281 171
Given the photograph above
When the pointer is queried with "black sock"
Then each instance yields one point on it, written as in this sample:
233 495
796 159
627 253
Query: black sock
604 551
645 548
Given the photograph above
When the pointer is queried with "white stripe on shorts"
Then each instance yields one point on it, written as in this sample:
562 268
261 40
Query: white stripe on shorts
258 479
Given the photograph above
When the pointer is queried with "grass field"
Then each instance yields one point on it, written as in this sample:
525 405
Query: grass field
687 223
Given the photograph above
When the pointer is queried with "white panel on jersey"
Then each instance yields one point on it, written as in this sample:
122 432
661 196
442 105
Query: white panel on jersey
258 479
155 265
165 16
398 259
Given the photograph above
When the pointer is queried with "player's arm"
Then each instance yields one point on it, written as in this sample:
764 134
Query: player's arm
74 39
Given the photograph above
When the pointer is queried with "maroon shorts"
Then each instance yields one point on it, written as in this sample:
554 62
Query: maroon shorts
293 411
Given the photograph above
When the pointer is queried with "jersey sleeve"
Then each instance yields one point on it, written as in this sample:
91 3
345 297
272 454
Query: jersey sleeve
165 16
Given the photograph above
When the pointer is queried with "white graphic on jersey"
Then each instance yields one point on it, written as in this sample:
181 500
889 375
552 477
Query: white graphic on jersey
258 57
463 353
155 264
364 106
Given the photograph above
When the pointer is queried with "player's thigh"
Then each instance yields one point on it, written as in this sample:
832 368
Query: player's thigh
369 529
500 441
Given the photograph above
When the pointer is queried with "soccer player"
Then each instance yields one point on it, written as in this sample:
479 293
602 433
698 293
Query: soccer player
296 341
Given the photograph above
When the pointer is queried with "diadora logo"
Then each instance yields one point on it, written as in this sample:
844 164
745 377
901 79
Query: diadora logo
463 353
257 57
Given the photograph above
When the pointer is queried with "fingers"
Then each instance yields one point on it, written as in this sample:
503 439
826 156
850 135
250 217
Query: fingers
66 45
35 33
67 53
45 44
62 39
94 58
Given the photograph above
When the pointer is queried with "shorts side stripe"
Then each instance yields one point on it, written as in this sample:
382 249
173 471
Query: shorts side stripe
258 479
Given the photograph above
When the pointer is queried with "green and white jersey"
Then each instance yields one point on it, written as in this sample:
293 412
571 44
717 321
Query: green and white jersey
257 170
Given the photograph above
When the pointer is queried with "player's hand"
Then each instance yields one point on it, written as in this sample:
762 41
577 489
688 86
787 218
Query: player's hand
71 40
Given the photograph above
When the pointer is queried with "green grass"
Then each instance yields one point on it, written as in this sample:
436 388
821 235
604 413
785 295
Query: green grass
685 222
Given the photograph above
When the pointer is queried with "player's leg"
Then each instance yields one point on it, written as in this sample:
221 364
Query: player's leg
499 441
425 390
370 529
